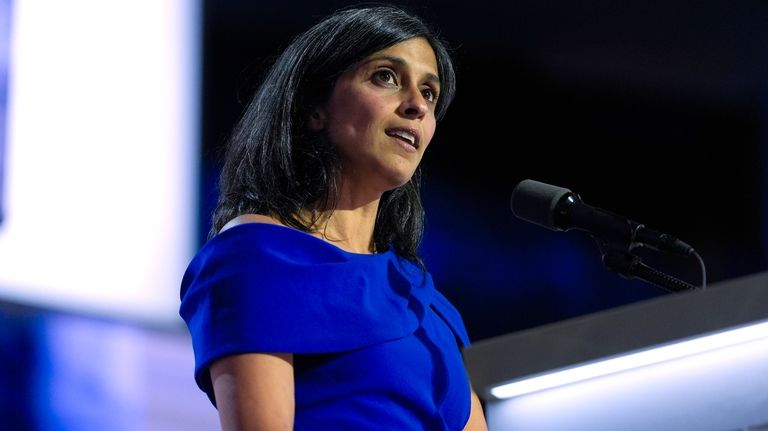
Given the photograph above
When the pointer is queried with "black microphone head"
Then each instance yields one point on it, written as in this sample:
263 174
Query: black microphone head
536 202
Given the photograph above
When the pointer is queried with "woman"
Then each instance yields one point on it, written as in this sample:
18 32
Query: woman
309 306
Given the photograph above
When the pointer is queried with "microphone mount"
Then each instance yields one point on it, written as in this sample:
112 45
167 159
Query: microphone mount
631 266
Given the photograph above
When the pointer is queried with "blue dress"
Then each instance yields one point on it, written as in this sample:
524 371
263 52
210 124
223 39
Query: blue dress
375 345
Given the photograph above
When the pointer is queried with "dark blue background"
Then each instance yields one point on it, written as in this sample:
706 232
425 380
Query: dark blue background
654 110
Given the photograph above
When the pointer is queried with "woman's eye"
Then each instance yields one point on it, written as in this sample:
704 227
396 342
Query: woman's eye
385 76
429 94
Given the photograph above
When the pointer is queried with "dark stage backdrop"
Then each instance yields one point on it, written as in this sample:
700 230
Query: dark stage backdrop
654 110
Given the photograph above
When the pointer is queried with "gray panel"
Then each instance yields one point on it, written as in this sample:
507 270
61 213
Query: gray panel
628 328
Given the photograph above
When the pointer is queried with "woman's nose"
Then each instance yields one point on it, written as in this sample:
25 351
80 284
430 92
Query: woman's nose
414 105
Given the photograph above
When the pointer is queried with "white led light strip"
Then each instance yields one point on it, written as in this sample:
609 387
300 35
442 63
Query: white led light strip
631 361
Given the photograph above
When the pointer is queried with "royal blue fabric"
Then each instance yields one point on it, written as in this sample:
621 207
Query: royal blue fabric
375 345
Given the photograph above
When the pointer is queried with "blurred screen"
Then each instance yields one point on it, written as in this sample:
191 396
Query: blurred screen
5 38
100 156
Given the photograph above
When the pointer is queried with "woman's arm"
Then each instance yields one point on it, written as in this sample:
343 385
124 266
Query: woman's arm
476 420
254 391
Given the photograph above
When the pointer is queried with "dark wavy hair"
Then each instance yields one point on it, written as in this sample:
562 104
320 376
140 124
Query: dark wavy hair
274 164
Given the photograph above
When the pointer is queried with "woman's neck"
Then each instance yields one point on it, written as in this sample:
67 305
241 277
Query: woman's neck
348 229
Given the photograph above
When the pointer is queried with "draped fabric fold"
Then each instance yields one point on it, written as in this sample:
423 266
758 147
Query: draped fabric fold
268 288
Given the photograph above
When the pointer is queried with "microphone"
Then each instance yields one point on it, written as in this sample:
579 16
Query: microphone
560 209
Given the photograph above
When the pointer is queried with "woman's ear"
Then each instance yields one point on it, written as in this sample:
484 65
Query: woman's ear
316 120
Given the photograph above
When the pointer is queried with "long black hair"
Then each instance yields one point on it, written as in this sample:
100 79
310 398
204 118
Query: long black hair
274 164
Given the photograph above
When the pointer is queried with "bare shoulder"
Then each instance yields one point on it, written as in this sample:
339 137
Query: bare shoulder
250 218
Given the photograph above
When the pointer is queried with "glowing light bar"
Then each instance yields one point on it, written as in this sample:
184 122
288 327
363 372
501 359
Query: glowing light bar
631 361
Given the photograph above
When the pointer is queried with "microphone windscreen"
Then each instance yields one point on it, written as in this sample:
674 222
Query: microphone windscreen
536 202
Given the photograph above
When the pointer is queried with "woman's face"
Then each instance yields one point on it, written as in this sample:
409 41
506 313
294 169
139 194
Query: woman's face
381 114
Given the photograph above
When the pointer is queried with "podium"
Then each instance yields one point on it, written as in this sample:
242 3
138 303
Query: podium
720 387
